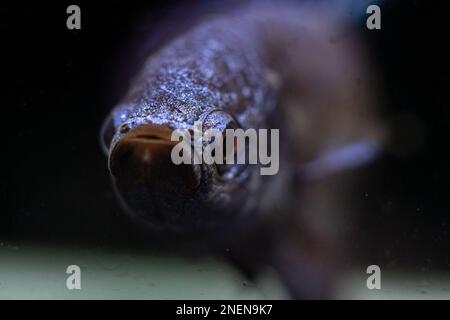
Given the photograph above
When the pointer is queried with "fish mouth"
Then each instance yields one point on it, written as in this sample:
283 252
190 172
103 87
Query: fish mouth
164 195
142 159
151 134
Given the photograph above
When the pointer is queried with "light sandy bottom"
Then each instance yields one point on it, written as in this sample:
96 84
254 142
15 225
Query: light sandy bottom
39 272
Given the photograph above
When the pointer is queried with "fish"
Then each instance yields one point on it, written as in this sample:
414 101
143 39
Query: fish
296 68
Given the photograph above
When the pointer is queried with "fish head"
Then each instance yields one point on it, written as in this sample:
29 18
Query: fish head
166 195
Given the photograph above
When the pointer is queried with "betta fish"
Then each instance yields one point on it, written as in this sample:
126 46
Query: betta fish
300 69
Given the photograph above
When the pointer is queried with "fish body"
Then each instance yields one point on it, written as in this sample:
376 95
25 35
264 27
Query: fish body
298 69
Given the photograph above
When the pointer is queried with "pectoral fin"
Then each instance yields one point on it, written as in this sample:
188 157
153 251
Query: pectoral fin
339 159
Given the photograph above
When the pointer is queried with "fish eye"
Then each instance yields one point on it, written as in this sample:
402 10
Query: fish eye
222 121
228 140
219 120
124 128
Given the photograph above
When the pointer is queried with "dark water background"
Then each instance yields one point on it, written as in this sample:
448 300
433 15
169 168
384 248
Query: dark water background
58 85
